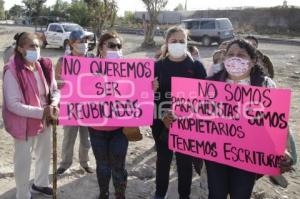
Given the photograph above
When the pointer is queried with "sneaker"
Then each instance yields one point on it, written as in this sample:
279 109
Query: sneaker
46 191
279 180
88 169
61 171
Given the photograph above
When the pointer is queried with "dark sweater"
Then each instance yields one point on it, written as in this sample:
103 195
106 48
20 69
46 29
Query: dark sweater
165 69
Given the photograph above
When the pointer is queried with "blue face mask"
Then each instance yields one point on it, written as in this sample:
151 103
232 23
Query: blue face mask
32 55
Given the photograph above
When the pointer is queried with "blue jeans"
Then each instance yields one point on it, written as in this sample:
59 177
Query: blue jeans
110 149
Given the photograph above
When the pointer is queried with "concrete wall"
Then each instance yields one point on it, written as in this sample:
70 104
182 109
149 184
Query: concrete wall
167 17
265 20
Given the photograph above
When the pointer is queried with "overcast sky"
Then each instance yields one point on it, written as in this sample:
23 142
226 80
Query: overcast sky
137 5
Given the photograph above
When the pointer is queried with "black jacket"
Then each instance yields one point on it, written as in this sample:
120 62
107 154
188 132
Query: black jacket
164 70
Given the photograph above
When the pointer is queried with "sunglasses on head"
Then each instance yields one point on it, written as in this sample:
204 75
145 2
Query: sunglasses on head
113 45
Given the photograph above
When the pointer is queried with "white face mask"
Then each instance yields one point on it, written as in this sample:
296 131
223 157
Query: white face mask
199 59
81 48
236 66
177 50
32 55
114 54
216 68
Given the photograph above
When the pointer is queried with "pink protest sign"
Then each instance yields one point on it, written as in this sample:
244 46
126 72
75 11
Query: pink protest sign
239 126
102 92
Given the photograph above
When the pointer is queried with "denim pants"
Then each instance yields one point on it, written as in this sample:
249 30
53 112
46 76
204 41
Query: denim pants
110 149
225 180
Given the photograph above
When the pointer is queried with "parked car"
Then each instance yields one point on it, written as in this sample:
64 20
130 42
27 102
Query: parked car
57 34
209 30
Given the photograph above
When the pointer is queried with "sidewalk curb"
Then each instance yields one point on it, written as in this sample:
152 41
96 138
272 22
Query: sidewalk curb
279 41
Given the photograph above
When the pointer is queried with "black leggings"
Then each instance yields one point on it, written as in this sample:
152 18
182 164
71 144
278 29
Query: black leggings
184 169
224 180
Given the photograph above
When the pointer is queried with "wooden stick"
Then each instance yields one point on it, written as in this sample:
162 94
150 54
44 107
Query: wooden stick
54 146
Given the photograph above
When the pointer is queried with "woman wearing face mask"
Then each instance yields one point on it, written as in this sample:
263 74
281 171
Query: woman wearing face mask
110 46
176 63
79 47
217 66
109 144
194 51
240 68
30 99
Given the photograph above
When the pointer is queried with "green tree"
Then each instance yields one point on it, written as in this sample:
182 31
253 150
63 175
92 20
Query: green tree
79 13
33 7
39 6
129 17
153 7
179 7
101 12
2 11
29 7
15 11
46 11
60 8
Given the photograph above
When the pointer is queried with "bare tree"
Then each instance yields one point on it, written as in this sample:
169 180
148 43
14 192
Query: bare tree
153 8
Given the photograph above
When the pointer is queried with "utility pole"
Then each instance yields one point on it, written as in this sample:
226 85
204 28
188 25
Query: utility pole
185 6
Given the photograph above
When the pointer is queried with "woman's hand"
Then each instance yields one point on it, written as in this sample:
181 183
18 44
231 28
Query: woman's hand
50 114
155 84
47 115
168 119
47 111
60 84
54 112
286 163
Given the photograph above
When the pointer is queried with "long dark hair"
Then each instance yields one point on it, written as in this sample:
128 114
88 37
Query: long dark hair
242 43
257 74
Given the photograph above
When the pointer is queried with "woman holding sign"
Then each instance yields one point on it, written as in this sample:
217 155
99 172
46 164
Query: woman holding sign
79 47
109 144
176 63
240 68
30 99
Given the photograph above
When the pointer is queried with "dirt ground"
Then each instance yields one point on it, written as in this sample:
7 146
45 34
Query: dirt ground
76 184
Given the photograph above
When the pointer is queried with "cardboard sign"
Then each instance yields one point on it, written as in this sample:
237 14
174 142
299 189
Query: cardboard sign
102 92
240 126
